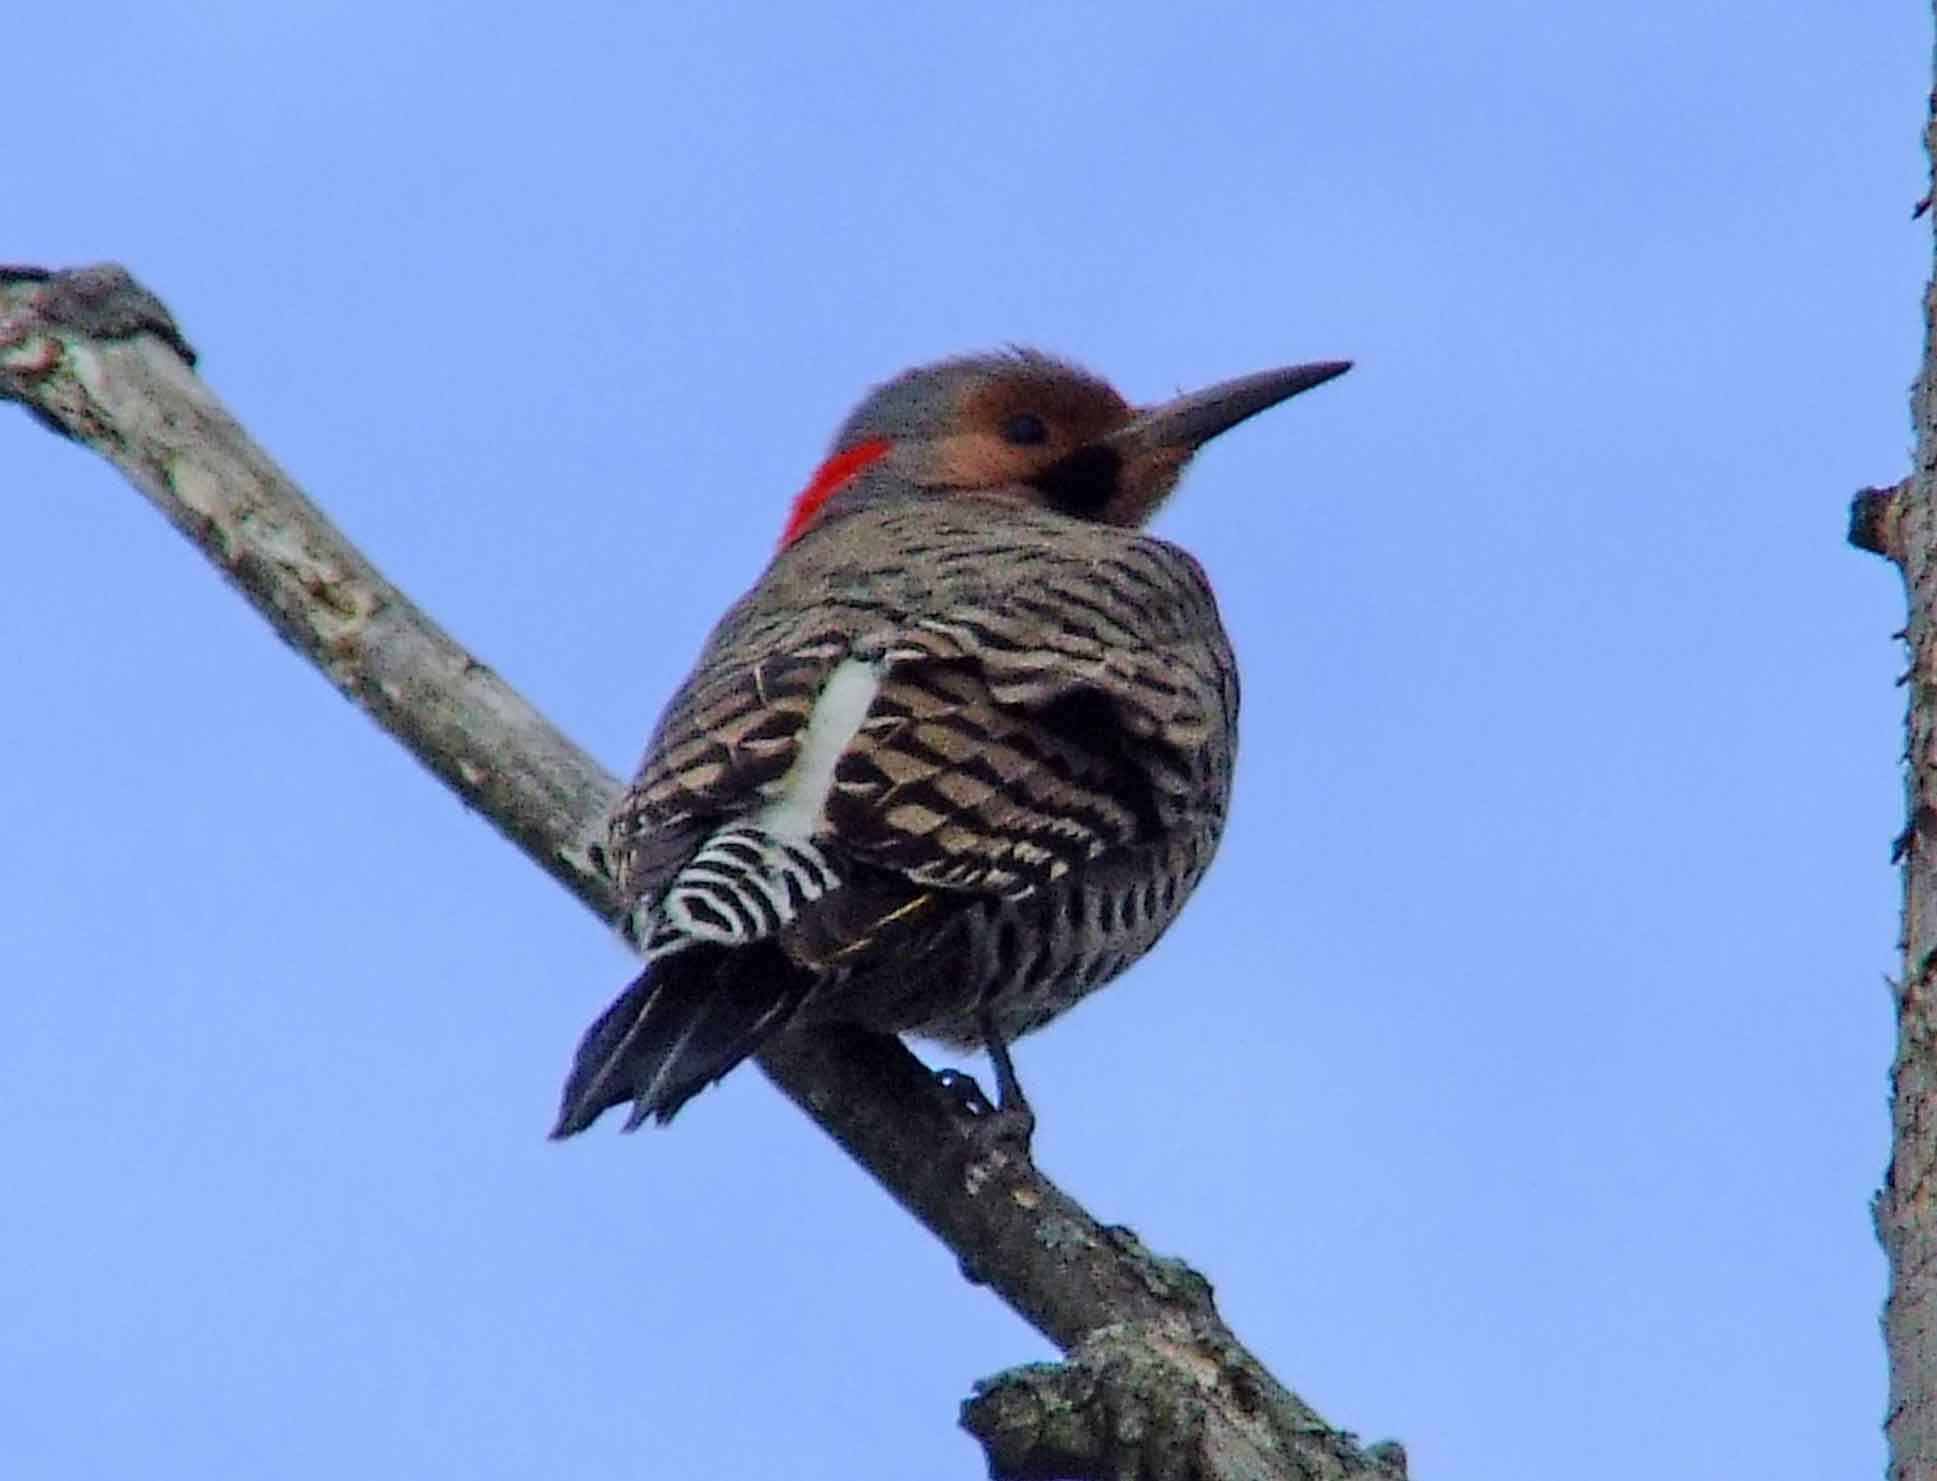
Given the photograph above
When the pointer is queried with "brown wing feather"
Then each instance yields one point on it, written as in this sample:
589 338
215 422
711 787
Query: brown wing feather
948 788
986 764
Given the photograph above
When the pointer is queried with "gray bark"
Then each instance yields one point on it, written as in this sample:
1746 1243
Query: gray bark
1156 1385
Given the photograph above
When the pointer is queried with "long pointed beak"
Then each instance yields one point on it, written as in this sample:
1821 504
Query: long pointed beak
1188 422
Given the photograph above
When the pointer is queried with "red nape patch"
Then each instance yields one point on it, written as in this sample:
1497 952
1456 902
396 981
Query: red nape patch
828 480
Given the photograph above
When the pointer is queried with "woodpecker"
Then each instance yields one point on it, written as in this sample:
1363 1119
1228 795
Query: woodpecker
959 756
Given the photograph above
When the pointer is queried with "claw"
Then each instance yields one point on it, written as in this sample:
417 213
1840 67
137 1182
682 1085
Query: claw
965 1097
1009 1120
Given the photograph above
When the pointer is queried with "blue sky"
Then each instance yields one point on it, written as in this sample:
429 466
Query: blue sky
1519 1074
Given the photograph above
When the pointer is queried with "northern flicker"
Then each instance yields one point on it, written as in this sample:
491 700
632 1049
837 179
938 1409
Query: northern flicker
959 756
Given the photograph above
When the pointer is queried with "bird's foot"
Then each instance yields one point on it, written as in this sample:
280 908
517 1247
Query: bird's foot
964 1096
1009 1121
989 1123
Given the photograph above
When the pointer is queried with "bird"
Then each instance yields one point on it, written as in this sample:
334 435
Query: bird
955 760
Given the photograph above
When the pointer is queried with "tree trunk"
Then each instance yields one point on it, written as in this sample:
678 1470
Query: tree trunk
1900 523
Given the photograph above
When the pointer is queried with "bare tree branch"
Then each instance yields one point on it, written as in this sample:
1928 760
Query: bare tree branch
1156 1386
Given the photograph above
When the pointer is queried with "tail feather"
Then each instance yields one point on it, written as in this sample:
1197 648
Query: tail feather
682 1024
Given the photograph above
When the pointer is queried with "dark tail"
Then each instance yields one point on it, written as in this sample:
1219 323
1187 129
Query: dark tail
682 1024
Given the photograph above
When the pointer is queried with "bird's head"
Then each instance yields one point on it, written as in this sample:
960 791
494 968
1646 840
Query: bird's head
1030 431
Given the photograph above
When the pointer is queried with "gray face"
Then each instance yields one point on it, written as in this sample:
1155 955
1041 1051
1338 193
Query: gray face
922 404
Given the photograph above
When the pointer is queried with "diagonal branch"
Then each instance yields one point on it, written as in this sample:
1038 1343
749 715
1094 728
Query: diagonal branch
1157 1385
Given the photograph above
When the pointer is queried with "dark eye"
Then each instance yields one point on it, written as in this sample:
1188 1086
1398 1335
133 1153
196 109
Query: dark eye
1025 429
